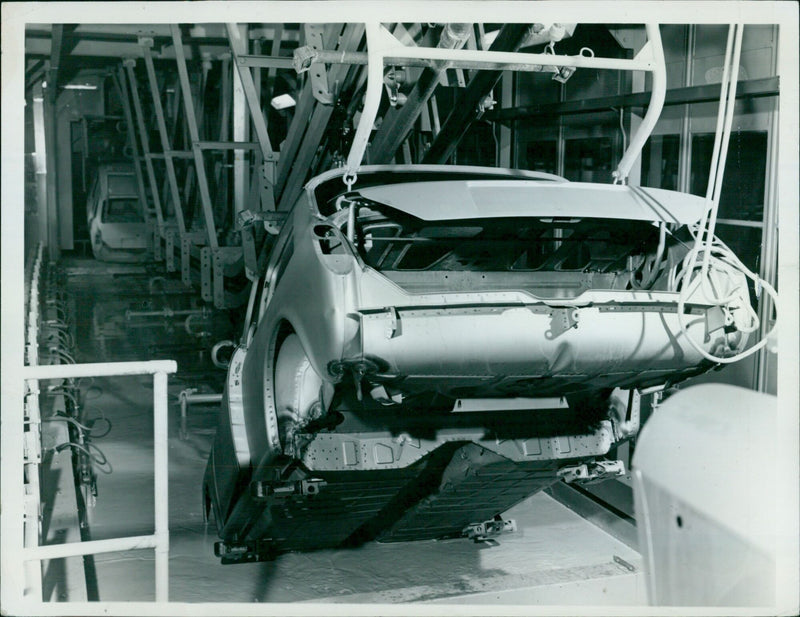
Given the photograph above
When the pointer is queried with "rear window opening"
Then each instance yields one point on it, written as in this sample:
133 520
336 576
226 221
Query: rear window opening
389 240
122 210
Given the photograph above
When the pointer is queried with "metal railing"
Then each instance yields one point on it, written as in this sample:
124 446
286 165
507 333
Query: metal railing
159 540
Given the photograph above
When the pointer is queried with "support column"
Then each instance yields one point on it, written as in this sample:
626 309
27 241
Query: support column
40 161
122 89
238 42
505 157
685 145
240 124
148 161
146 44
191 121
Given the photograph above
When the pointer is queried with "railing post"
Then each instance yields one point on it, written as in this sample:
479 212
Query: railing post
160 446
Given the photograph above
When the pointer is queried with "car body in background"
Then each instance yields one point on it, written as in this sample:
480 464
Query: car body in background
431 345
115 216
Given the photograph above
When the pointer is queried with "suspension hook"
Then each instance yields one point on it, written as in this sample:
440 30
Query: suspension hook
349 179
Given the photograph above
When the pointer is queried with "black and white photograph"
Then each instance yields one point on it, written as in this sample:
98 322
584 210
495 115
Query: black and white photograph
387 308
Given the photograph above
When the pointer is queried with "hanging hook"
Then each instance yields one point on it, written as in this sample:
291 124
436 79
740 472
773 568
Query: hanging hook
349 179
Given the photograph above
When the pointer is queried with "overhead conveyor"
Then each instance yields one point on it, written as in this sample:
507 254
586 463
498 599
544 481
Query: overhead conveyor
219 202
220 237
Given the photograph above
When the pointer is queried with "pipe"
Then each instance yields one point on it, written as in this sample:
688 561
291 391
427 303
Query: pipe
202 398
161 480
658 67
167 312
186 397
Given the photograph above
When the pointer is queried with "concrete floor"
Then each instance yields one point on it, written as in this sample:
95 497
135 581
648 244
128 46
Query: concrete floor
556 557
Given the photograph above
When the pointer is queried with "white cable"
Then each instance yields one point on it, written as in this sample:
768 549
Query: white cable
715 255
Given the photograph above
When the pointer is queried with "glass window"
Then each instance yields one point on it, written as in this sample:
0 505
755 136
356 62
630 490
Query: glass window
743 185
122 210
745 242
660 156
588 160
539 156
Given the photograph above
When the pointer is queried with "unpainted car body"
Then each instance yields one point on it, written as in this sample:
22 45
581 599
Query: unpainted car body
115 216
438 343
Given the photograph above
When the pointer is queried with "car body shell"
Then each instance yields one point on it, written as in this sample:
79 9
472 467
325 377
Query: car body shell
125 238
476 340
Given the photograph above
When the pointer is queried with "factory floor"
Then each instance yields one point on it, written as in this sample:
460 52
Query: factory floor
554 558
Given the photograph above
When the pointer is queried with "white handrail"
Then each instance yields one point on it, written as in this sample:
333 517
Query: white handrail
99 369
159 540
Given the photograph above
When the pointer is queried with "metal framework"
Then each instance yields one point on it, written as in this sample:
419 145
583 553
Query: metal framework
383 48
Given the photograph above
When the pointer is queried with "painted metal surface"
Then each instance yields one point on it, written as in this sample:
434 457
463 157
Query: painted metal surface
380 339
159 540
483 199
708 541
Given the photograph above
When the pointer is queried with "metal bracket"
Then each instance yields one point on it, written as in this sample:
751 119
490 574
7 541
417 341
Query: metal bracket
249 254
260 550
272 220
206 290
186 275
317 72
264 490
158 250
220 258
170 251
561 320
591 472
480 532
217 265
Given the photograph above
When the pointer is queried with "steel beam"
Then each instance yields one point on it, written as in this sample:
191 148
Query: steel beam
294 138
148 163
50 133
398 122
275 51
122 89
305 107
510 38
266 62
316 128
194 136
317 125
254 103
752 88
162 131
256 115
240 123
40 161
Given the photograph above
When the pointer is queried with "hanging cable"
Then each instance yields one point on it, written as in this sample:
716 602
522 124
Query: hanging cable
708 254
99 459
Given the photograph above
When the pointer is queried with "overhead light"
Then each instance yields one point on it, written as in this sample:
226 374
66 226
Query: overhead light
282 101
80 87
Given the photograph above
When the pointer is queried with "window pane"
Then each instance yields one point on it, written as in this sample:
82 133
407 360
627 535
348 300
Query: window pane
660 162
539 156
742 195
745 242
588 160
122 210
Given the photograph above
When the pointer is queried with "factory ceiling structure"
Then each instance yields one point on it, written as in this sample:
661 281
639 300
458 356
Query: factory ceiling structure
306 287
